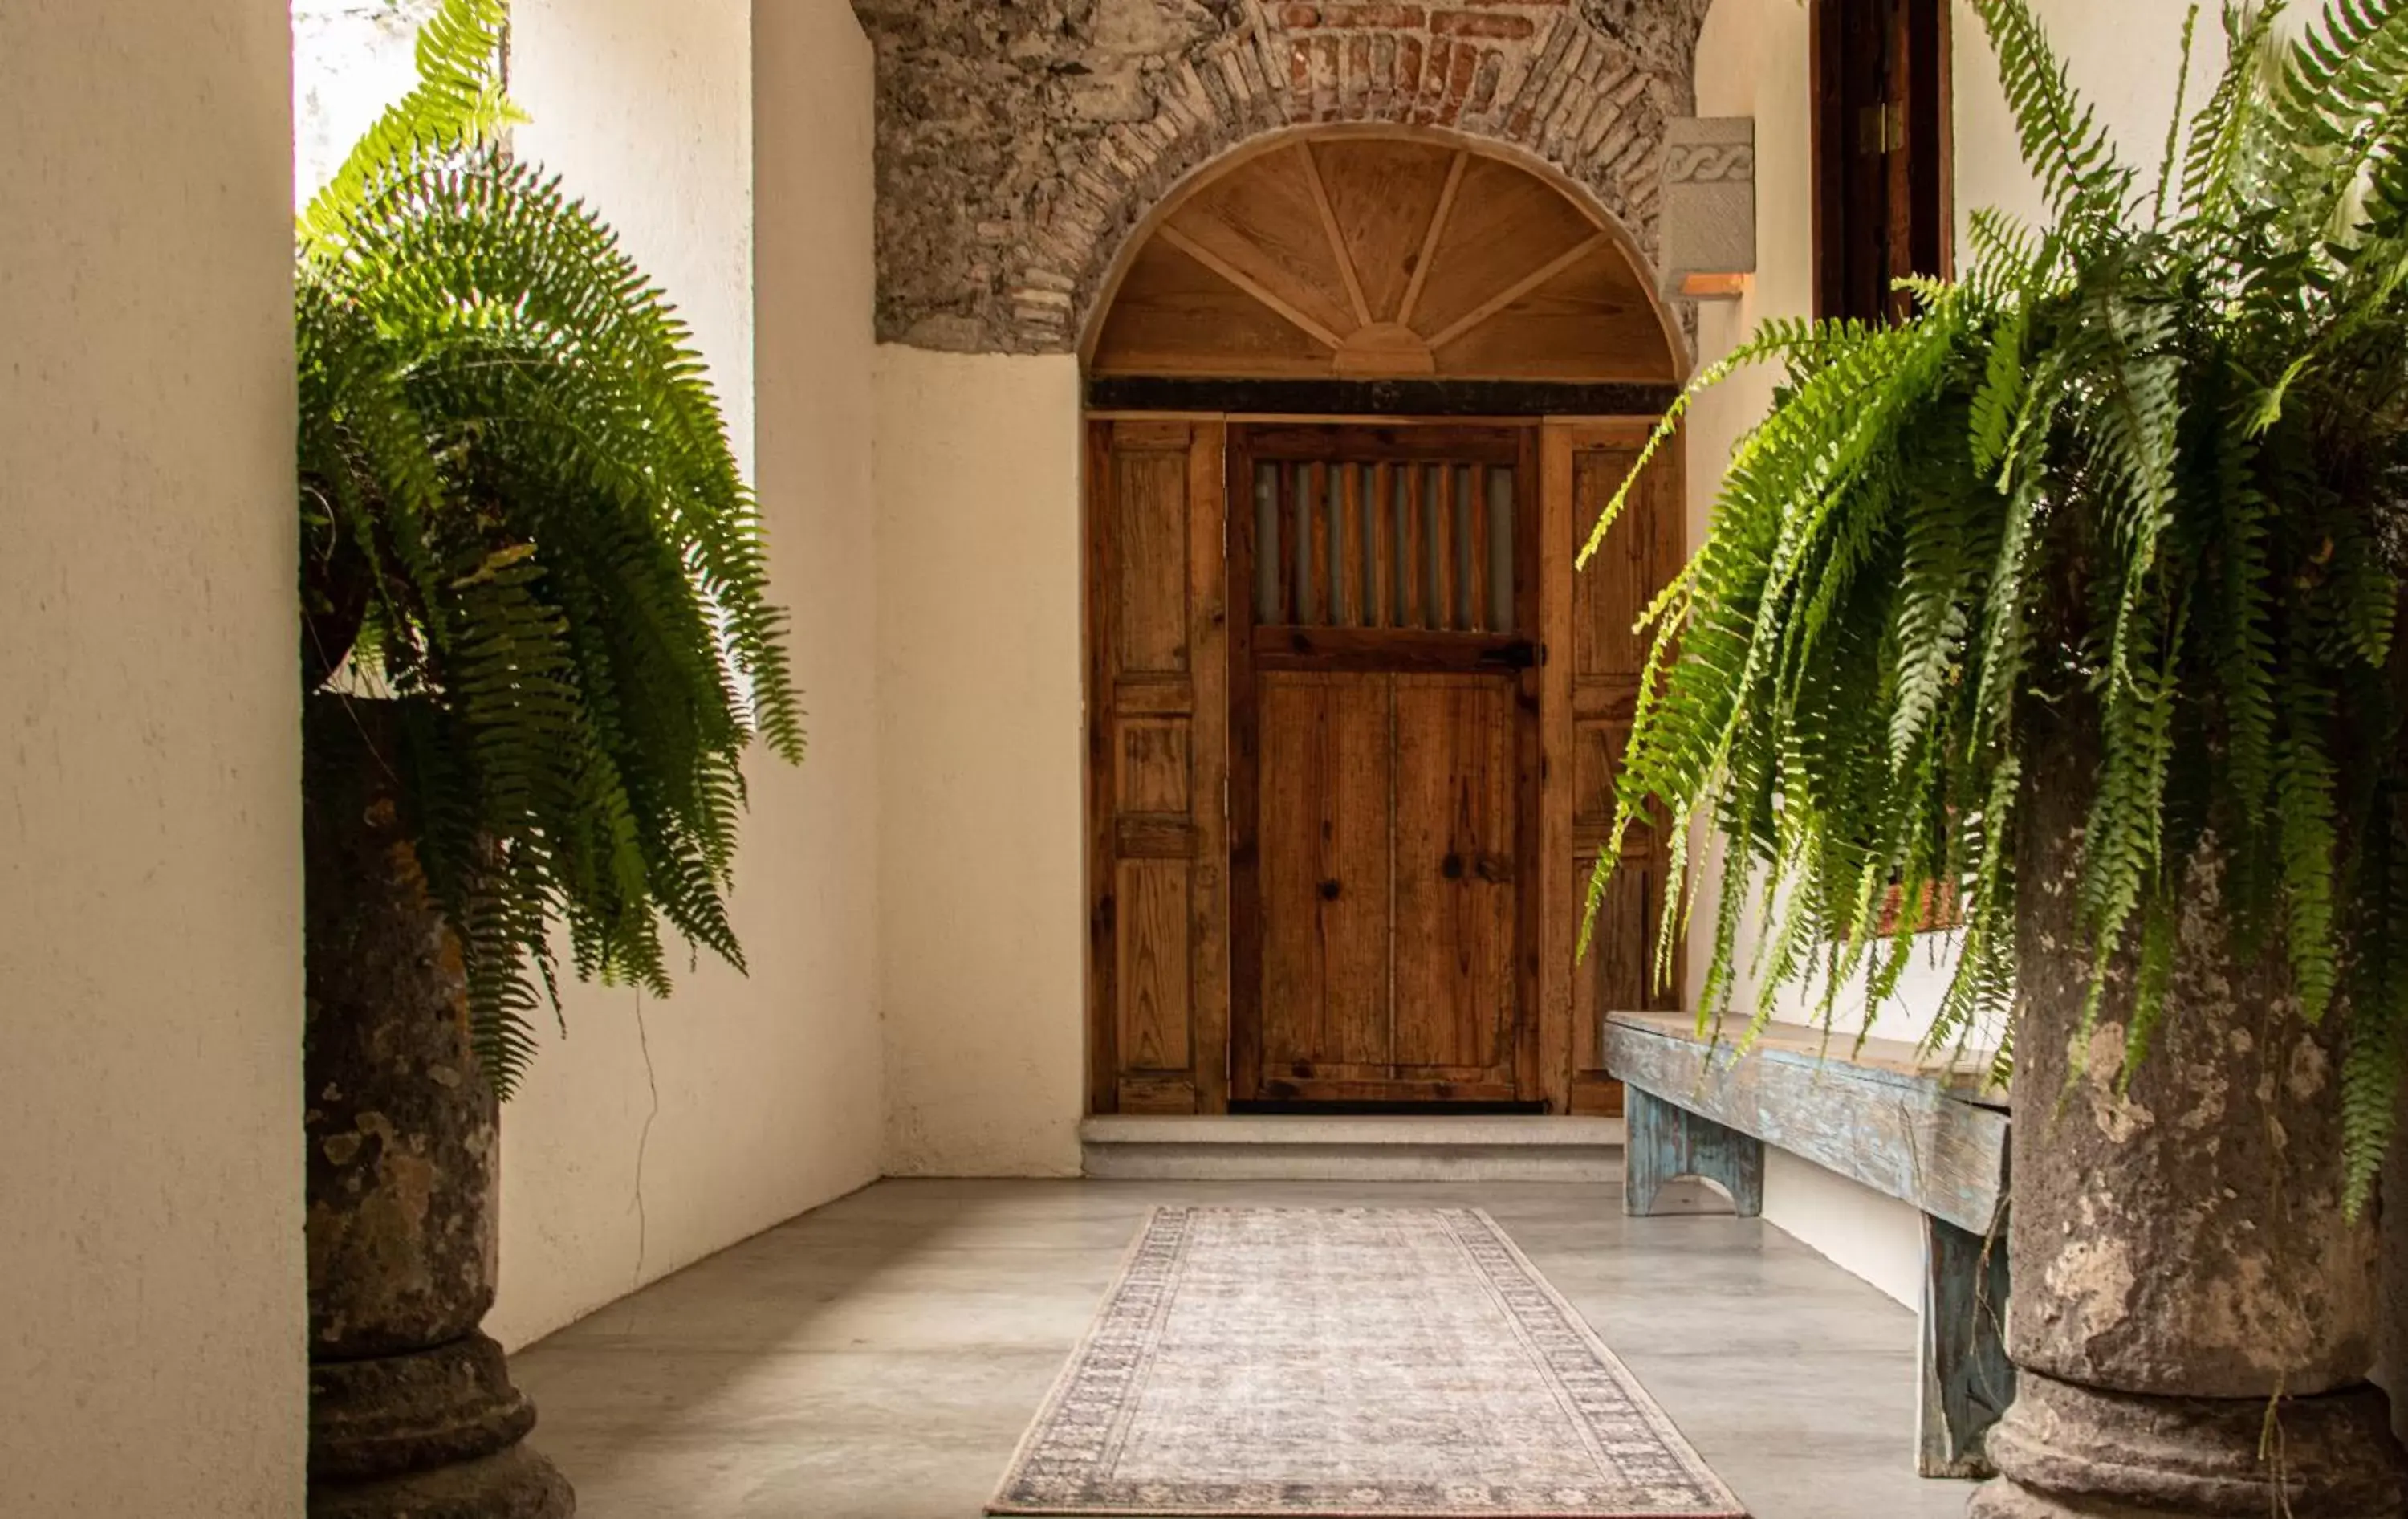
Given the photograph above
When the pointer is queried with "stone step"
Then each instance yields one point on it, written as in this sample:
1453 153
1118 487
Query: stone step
1279 1148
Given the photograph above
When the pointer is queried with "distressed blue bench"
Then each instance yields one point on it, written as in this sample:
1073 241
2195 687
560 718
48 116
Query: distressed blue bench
1882 1115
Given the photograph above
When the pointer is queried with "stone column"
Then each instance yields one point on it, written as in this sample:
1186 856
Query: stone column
412 1410
2193 1319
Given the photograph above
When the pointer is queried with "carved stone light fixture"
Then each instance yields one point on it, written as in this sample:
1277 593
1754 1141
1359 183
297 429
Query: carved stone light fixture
1708 227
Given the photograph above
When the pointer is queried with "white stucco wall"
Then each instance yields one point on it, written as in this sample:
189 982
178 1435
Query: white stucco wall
2125 59
351 60
656 1133
982 919
151 1360
1753 61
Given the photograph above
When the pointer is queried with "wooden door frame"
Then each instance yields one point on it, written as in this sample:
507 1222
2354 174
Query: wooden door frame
1201 836
1551 906
1562 440
1521 434
1922 174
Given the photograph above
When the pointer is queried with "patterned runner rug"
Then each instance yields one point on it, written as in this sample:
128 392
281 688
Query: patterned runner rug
1348 1364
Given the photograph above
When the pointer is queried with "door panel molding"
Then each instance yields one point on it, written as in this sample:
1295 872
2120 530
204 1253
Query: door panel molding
1412 513
1590 685
1175 745
1157 767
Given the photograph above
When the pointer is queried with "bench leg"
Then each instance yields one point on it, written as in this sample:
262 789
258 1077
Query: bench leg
1664 1140
1968 1380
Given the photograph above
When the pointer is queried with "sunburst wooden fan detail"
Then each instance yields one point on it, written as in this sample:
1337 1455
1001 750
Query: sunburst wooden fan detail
1362 257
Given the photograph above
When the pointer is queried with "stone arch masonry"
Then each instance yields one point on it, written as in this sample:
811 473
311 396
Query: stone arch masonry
1021 141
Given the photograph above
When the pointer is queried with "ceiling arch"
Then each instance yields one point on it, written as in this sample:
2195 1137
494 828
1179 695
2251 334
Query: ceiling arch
1382 255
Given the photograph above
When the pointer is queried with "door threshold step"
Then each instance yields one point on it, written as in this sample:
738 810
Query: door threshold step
1316 1148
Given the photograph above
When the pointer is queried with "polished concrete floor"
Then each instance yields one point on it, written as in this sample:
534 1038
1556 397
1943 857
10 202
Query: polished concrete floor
878 1358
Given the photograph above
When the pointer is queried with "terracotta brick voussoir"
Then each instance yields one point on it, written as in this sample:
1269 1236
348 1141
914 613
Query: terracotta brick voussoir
1375 16
1018 146
1487 24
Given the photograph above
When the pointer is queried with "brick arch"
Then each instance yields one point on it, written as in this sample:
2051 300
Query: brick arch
1535 79
1005 240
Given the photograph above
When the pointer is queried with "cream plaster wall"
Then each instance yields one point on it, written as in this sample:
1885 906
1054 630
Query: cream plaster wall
982 916
656 1133
151 1360
351 60
1753 61
2125 59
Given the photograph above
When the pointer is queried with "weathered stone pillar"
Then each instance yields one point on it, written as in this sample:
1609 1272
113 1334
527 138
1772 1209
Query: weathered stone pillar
2193 1319
412 1410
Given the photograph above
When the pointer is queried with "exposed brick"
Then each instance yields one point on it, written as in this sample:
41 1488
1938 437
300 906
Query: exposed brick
1019 143
1483 85
1189 98
1628 162
1482 24
1590 134
1409 74
1233 80
1355 80
1541 68
1551 93
1429 83
1461 71
1377 16
1261 64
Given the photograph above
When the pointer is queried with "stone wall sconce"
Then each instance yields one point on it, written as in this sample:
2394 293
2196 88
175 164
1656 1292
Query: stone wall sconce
1708 221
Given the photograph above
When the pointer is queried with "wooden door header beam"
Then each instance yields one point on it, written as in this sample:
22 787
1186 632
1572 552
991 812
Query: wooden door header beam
1376 397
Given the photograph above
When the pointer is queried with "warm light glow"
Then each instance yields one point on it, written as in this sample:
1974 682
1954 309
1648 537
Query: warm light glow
1714 287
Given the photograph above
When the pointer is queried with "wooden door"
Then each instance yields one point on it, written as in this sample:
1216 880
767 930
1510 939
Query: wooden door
1384 753
1880 153
1592 678
1157 767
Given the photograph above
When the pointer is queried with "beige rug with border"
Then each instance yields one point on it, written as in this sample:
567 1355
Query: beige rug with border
1348 1364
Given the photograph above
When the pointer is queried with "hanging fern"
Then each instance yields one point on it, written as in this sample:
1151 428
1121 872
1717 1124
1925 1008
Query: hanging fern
521 520
2150 464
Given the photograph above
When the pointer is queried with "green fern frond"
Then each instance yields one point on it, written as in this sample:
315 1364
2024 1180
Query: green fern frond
2166 165
2377 1051
2142 478
2339 98
2063 143
457 103
2307 836
508 438
2217 163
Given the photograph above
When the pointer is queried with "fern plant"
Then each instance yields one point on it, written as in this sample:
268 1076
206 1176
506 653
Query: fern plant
2145 464
522 524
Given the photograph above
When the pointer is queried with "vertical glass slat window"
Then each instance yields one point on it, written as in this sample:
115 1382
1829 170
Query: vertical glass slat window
1502 583
1269 605
1414 545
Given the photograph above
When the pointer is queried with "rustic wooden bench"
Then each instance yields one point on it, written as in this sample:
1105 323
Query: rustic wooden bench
1885 1115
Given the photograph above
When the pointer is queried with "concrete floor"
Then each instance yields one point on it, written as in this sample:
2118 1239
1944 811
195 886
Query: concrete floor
878 1358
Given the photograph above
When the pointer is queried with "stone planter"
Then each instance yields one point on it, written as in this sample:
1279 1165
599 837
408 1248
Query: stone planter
412 1410
2193 1320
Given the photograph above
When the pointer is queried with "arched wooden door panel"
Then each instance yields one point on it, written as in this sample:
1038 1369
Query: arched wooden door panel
1382 257
1352 721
